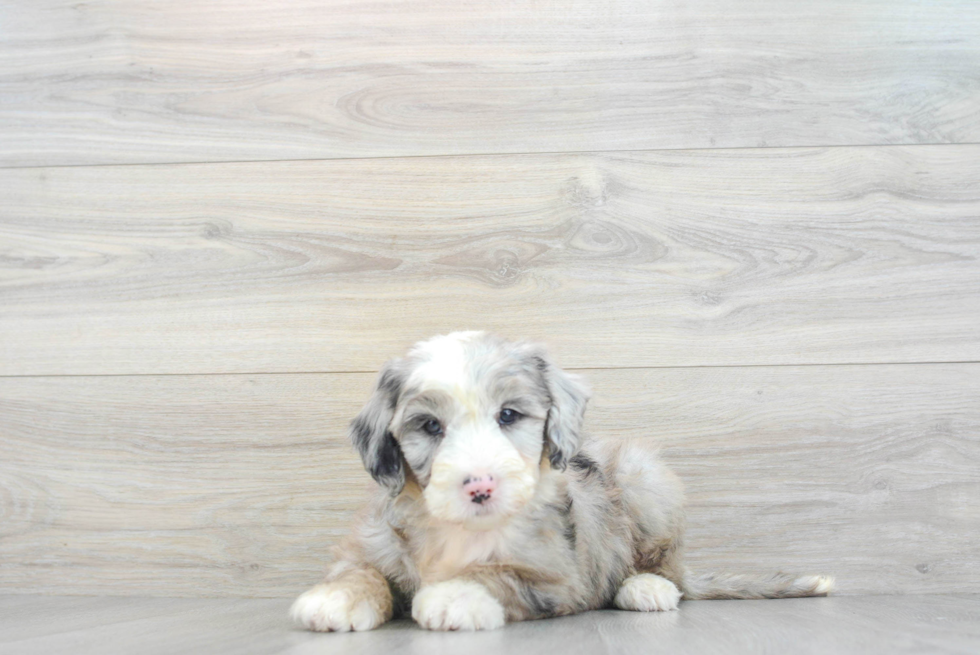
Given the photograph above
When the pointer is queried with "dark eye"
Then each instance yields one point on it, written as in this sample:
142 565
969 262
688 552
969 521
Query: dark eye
432 427
508 416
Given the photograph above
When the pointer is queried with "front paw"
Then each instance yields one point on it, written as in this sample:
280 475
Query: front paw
457 605
337 607
647 592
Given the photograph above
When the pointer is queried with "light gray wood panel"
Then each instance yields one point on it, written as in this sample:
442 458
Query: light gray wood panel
136 81
237 485
862 625
645 259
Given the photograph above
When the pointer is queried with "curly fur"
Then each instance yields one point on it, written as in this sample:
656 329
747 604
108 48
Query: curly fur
573 524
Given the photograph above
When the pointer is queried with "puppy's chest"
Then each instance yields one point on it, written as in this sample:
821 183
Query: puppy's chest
445 551
457 548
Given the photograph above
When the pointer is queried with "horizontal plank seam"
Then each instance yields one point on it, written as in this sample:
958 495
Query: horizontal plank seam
567 368
489 154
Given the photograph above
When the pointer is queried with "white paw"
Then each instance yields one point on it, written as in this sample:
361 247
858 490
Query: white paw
457 605
647 592
329 607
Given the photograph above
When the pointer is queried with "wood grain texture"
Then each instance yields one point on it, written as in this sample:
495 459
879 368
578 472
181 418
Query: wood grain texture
237 485
866 625
135 81
645 259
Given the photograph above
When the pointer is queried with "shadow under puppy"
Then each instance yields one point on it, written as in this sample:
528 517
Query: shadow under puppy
494 507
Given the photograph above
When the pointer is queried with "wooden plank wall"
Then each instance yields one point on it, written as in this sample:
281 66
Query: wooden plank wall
754 225
133 81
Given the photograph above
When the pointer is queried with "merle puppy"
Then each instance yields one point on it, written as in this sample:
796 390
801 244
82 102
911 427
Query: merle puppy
493 506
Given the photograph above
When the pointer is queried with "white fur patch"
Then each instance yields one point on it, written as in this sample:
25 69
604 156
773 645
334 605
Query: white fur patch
469 451
647 592
815 584
444 359
329 607
457 605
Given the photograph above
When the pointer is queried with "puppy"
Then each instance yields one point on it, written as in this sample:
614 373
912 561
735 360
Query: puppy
493 507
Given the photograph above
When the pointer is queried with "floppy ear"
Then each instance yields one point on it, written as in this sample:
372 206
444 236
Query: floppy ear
563 428
370 433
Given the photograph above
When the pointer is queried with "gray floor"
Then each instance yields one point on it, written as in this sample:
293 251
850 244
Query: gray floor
865 624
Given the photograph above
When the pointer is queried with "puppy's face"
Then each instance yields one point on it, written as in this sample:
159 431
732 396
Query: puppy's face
470 417
470 425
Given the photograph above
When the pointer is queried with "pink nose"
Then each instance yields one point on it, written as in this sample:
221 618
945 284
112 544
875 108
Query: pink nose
479 487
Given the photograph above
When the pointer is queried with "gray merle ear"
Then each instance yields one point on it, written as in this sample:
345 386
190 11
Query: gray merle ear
370 433
569 396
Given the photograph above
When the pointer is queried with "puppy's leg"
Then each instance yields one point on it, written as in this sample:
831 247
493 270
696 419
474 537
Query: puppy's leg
484 598
457 604
357 598
647 592
653 498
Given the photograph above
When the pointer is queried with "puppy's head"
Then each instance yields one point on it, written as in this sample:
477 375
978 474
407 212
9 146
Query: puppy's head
470 417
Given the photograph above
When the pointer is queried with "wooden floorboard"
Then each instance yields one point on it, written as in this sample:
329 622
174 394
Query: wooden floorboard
237 485
137 81
863 625
689 258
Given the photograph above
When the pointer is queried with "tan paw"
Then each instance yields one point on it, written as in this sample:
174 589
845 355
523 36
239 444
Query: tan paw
457 605
647 592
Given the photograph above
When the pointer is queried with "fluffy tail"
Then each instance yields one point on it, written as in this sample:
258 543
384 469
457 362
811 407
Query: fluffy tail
778 585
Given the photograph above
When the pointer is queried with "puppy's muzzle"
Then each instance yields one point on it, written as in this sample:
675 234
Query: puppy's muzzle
479 487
